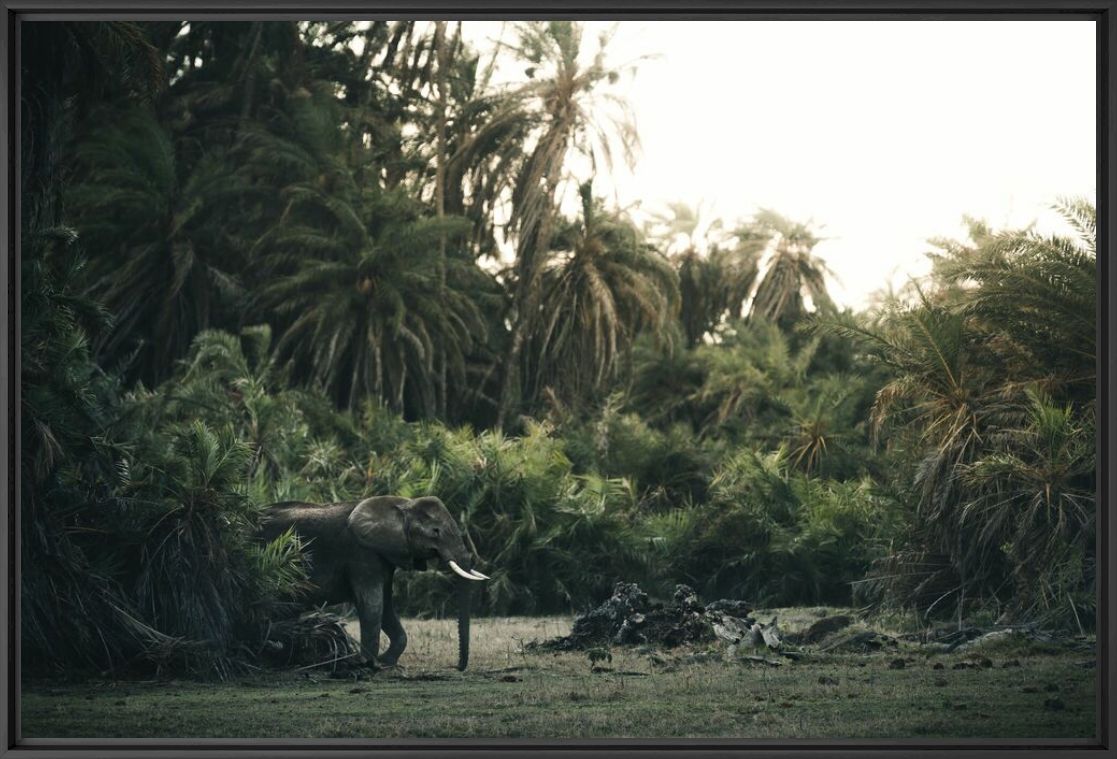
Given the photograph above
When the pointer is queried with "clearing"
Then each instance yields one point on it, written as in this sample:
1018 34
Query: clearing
1010 688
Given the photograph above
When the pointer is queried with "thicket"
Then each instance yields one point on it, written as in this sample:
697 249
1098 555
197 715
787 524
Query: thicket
249 276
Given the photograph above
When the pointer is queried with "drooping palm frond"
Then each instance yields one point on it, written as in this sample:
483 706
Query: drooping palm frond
596 298
792 272
164 267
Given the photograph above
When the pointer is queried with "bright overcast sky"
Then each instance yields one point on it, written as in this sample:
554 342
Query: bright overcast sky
884 134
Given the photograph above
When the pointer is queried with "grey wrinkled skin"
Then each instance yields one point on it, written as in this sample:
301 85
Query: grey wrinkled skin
354 549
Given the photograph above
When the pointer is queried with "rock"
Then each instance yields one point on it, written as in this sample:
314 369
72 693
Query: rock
938 665
824 680
897 664
985 662
1011 663
731 629
739 609
687 600
629 617
511 679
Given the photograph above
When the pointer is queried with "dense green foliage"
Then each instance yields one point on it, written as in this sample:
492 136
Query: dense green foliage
249 275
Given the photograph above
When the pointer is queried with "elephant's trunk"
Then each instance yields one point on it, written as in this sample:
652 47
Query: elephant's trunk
465 599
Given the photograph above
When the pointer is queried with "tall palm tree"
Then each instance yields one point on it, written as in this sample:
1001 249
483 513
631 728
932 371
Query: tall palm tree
164 266
715 278
604 288
365 314
571 112
792 273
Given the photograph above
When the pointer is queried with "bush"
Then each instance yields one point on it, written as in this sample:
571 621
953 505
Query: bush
771 536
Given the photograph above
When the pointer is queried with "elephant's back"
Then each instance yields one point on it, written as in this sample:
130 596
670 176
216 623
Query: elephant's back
310 520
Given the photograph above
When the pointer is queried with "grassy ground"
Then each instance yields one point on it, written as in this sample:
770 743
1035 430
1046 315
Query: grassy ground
508 692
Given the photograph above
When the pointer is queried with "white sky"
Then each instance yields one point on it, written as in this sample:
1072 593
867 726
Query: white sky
882 133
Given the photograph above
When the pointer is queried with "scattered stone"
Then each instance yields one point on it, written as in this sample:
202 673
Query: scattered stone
966 665
323 695
938 665
897 664
511 679
985 662
825 680
358 690
739 609
1054 704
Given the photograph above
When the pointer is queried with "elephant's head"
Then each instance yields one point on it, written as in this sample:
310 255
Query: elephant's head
408 533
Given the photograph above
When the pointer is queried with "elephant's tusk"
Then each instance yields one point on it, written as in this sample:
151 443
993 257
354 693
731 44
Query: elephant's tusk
459 571
478 575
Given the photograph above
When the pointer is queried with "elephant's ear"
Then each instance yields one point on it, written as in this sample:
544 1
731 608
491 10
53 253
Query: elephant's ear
378 523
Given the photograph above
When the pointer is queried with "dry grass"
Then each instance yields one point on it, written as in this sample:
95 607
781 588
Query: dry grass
510 692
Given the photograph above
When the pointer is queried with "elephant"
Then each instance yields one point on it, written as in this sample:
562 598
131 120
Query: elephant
354 549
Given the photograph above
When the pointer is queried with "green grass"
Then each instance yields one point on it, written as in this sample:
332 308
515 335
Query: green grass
510 693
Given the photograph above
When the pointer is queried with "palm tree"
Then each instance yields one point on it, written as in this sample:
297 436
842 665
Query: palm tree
993 391
1034 497
68 67
792 273
164 267
365 314
564 95
605 288
715 279
1034 296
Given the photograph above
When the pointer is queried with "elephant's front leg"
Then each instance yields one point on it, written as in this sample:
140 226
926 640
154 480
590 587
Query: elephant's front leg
368 596
396 636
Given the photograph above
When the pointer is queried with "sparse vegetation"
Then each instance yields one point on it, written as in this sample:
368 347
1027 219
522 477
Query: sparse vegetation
684 693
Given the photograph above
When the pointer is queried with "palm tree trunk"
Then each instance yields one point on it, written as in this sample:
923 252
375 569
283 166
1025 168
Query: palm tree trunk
248 75
442 55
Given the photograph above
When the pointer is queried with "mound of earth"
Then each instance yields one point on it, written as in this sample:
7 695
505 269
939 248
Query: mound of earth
630 617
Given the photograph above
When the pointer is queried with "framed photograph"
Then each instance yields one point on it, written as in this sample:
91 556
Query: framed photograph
719 378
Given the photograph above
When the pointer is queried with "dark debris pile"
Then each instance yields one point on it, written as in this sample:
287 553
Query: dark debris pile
630 617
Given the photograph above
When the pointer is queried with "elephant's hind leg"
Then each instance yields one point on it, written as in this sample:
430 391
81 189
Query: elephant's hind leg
397 637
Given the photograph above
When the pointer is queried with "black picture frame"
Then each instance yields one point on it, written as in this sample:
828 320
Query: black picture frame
1103 12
